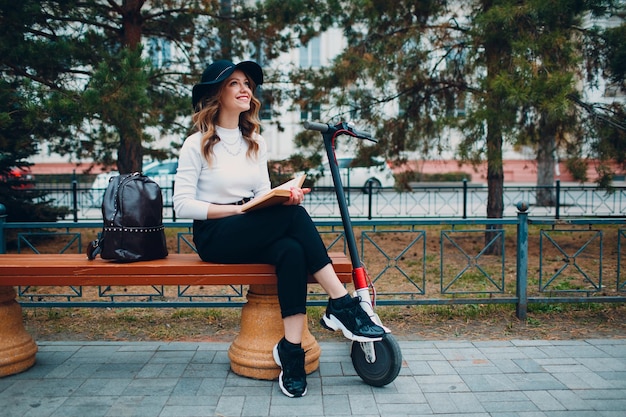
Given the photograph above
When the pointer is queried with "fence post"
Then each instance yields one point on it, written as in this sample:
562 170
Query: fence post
172 199
522 261
370 188
465 198
557 203
75 196
3 219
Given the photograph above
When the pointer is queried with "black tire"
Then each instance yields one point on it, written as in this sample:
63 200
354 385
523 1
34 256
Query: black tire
376 186
387 365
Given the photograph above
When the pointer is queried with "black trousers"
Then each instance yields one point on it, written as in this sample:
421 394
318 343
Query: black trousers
284 236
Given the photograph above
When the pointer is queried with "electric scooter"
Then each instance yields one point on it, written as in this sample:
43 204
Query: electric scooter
377 363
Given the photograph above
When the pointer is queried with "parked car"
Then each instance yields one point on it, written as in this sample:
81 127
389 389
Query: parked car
162 172
19 178
378 173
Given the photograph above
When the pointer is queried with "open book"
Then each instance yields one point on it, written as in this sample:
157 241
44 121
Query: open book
275 196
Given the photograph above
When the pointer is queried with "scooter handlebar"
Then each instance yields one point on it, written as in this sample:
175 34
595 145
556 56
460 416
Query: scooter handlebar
362 135
324 127
320 127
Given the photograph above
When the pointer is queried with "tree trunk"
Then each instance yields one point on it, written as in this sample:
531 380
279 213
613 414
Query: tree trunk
495 54
495 172
495 184
132 23
546 163
226 11
130 151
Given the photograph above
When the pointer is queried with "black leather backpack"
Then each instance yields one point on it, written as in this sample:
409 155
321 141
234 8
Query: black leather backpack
132 211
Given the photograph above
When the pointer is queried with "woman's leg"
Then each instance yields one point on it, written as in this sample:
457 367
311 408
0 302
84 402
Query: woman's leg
288 353
286 236
343 312
240 239
262 236
328 279
294 326
264 239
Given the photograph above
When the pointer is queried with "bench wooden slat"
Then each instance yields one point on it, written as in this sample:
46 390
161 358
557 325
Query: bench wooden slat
176 269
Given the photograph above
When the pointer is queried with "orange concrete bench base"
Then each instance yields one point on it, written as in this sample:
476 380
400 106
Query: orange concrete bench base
251 351
17 348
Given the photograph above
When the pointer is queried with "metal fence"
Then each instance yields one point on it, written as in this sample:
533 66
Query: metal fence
518 260
463 200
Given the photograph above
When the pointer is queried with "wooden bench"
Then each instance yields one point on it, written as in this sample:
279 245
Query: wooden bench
251 351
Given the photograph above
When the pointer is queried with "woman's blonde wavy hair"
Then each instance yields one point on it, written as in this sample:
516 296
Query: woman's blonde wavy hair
206 116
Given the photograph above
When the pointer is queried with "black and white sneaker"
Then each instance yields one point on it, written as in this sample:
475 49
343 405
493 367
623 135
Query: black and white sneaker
347 315
292 378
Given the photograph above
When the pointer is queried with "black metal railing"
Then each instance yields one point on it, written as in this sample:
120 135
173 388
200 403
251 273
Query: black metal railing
517 260
462 200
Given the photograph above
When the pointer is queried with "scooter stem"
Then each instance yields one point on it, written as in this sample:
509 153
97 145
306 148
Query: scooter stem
329 137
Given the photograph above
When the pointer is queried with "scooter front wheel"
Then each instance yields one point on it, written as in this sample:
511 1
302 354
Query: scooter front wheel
386 366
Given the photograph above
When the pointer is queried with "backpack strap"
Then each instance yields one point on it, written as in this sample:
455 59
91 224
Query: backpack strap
93 249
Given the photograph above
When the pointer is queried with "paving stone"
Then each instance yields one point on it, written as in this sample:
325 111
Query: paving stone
309 405
535 381
336 405
442 383
600 364
510 406
138 406
172 356
406 384
442 367
85 406
94 387
229 406
581 380
571 400
544 400
31 407
602 394
477 366
151 387
454 403
503 352
462 354
58 387
517 378
491 382
507 366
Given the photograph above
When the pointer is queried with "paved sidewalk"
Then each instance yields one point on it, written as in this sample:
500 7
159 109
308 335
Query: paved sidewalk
530 378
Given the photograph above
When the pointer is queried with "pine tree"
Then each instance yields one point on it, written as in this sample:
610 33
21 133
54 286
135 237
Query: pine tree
85 68
496 71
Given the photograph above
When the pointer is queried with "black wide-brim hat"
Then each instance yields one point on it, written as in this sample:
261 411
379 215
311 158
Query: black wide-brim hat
217 72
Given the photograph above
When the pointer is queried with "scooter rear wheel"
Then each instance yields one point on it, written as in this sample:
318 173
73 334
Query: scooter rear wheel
385 368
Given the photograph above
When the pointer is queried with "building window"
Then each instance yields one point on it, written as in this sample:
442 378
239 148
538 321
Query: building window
265 96
310 54
159 51
456 61
312 112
